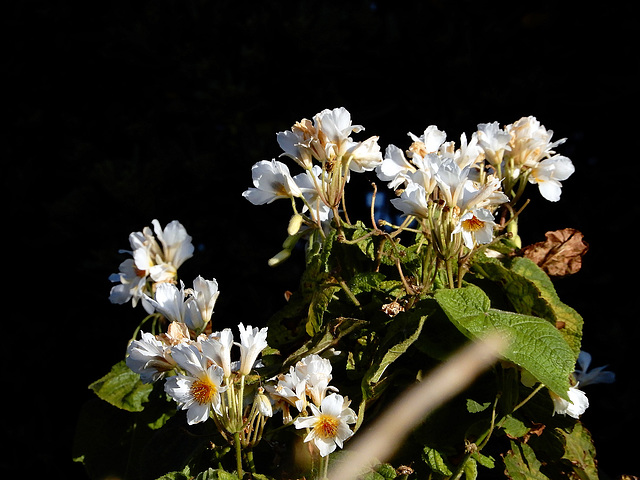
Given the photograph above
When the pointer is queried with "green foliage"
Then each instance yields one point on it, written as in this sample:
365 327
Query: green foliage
385 308
534 344
122 388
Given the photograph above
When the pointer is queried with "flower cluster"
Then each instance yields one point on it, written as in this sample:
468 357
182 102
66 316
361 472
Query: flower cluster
200 370
155 259
454 191
324 413
325 151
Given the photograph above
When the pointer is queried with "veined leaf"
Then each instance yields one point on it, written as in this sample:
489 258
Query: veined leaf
568 321
521 463
412 322
533 343
531 292
435 461
122 388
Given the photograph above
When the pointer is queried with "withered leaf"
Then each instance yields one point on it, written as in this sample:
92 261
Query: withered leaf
560 254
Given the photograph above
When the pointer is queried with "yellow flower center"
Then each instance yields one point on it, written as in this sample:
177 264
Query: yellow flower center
326 426
472 224
203 391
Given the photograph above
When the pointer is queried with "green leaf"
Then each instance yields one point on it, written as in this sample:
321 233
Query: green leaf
568 320
531 292
471 469
580 452
484 460
514 427
396 342
329 335
319 303
533 343
475 407
435 461
122 388
521 463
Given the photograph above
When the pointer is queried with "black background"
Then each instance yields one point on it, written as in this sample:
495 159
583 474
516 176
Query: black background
122 112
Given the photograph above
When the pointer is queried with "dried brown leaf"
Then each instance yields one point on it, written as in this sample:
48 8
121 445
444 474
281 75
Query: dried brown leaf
560 254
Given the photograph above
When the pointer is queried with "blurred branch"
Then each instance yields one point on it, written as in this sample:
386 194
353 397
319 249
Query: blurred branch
379 442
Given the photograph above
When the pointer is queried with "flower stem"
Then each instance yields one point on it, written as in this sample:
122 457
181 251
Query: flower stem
236 441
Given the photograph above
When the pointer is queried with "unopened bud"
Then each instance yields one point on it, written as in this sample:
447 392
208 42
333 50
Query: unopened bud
294 224
263 403
279 257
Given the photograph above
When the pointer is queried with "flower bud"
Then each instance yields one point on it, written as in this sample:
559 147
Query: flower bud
263 404
294 224
280 257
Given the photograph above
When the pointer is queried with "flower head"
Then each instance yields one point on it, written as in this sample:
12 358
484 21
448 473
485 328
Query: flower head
149 357
576 406
154 258
217 347
328 424
548 174
252 342
198 389
272 181
476 226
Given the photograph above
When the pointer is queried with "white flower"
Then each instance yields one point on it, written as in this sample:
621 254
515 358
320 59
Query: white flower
204 294
289 390
310 182
451 180
394 168
169 301
252 342
413 201
217 347
530 142
272 181
263 404
584 376
176 243
577 405
494 141
467 154
151 261
315 372
476 226
300 143
429 142
199 390
131 287
365 156
328 424
486 195
149 357
549 173
334 127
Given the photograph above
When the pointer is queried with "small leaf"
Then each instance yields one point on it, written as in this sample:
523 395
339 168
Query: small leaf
475 407
471 469
514 428
435 461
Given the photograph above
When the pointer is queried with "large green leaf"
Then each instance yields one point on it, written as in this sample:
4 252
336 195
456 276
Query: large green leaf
568 320
531 292
533 343
122 388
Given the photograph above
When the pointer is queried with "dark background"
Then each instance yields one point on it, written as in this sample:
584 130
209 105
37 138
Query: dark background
122 112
